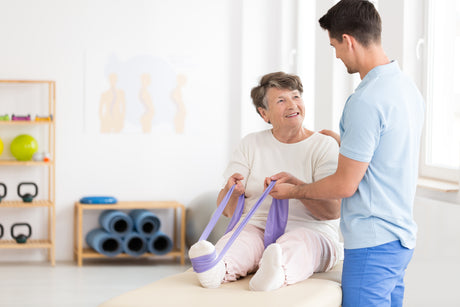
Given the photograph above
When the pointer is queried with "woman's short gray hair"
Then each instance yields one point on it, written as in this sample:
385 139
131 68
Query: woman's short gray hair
279 80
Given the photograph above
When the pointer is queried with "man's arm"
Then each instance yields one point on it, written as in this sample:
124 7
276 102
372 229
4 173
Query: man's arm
322 209
343 183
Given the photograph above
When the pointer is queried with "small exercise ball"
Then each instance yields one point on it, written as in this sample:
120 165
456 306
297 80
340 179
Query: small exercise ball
1 147
23 147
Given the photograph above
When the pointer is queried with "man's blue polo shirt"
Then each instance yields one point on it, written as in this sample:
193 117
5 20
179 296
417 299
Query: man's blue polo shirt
381 124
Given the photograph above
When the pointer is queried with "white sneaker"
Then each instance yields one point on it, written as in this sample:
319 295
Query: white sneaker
270 275
213 277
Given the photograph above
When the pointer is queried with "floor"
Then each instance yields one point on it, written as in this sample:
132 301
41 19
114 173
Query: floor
431 278
67 285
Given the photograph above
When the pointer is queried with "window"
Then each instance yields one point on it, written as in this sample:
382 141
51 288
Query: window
441 145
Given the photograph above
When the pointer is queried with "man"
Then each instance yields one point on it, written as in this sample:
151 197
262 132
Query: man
377 168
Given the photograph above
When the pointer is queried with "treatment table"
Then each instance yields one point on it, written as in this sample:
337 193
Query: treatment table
184 289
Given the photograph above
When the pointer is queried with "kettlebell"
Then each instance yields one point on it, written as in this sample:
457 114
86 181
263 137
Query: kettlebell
4 192
27 198
21 238
1 231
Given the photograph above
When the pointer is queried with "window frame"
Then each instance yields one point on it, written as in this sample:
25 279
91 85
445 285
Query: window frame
426 169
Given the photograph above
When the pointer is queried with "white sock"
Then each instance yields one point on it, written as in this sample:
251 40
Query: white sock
213 277
270 275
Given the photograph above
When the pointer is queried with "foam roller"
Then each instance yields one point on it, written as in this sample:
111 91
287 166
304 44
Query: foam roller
145 222
104 242
159 243
134 244
116 222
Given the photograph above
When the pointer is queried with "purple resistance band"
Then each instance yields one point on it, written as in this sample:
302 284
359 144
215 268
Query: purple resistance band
275 226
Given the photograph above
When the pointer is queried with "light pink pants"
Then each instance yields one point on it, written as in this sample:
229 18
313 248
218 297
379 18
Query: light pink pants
304 252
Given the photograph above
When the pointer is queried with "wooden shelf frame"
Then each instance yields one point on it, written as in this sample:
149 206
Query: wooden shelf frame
21 204
50 242
29 244
24 123
25 163
178 250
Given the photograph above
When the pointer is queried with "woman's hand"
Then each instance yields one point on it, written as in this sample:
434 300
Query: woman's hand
236 178
331 133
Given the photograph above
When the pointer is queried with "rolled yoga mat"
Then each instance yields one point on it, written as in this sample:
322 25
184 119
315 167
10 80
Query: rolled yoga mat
116 222
159 243
104 242
134 244
145 222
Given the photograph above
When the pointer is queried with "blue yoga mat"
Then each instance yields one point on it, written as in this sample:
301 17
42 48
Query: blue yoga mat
159 243
116 222
98 200
104 242
146 223
134 244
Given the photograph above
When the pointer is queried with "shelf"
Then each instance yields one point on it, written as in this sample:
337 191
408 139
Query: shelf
43 108
25 122
178 249
130 205
25 163
28 244
21 204
27 81
90 253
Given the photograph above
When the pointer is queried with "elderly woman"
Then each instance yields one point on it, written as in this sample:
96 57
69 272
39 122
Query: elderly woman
311 240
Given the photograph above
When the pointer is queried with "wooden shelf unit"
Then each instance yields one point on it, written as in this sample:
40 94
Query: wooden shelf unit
81 253
48 243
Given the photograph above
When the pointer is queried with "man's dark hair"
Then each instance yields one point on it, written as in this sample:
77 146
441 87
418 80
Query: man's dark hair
357 18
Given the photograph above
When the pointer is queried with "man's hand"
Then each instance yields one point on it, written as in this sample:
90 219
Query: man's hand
282 190
331 133
282 177
285 184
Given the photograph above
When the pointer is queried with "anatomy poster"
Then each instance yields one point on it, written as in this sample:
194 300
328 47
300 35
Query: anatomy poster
133 94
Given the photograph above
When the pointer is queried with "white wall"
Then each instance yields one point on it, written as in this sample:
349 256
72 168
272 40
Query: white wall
223 47
49 39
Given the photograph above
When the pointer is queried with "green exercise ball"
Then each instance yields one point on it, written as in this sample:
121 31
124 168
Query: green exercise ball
23 147
1 147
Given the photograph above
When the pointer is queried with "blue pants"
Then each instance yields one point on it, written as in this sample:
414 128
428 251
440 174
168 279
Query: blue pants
374 276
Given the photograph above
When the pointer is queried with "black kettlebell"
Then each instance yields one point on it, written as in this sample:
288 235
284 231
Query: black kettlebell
4 192
1 231
21 238
27 198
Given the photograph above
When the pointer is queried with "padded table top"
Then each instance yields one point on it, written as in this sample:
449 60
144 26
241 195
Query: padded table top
184 289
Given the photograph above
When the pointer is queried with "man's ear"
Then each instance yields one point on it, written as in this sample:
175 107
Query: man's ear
349 40
264 114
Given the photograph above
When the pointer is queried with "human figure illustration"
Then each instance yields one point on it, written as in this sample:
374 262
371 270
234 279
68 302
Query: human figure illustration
179 118
112 107
146 100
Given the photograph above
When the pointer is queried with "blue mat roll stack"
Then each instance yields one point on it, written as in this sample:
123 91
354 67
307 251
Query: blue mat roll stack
134 234
134 244
116 222
145 222
104 242
159 243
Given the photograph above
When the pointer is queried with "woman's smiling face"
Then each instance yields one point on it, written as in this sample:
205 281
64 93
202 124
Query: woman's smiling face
285 108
